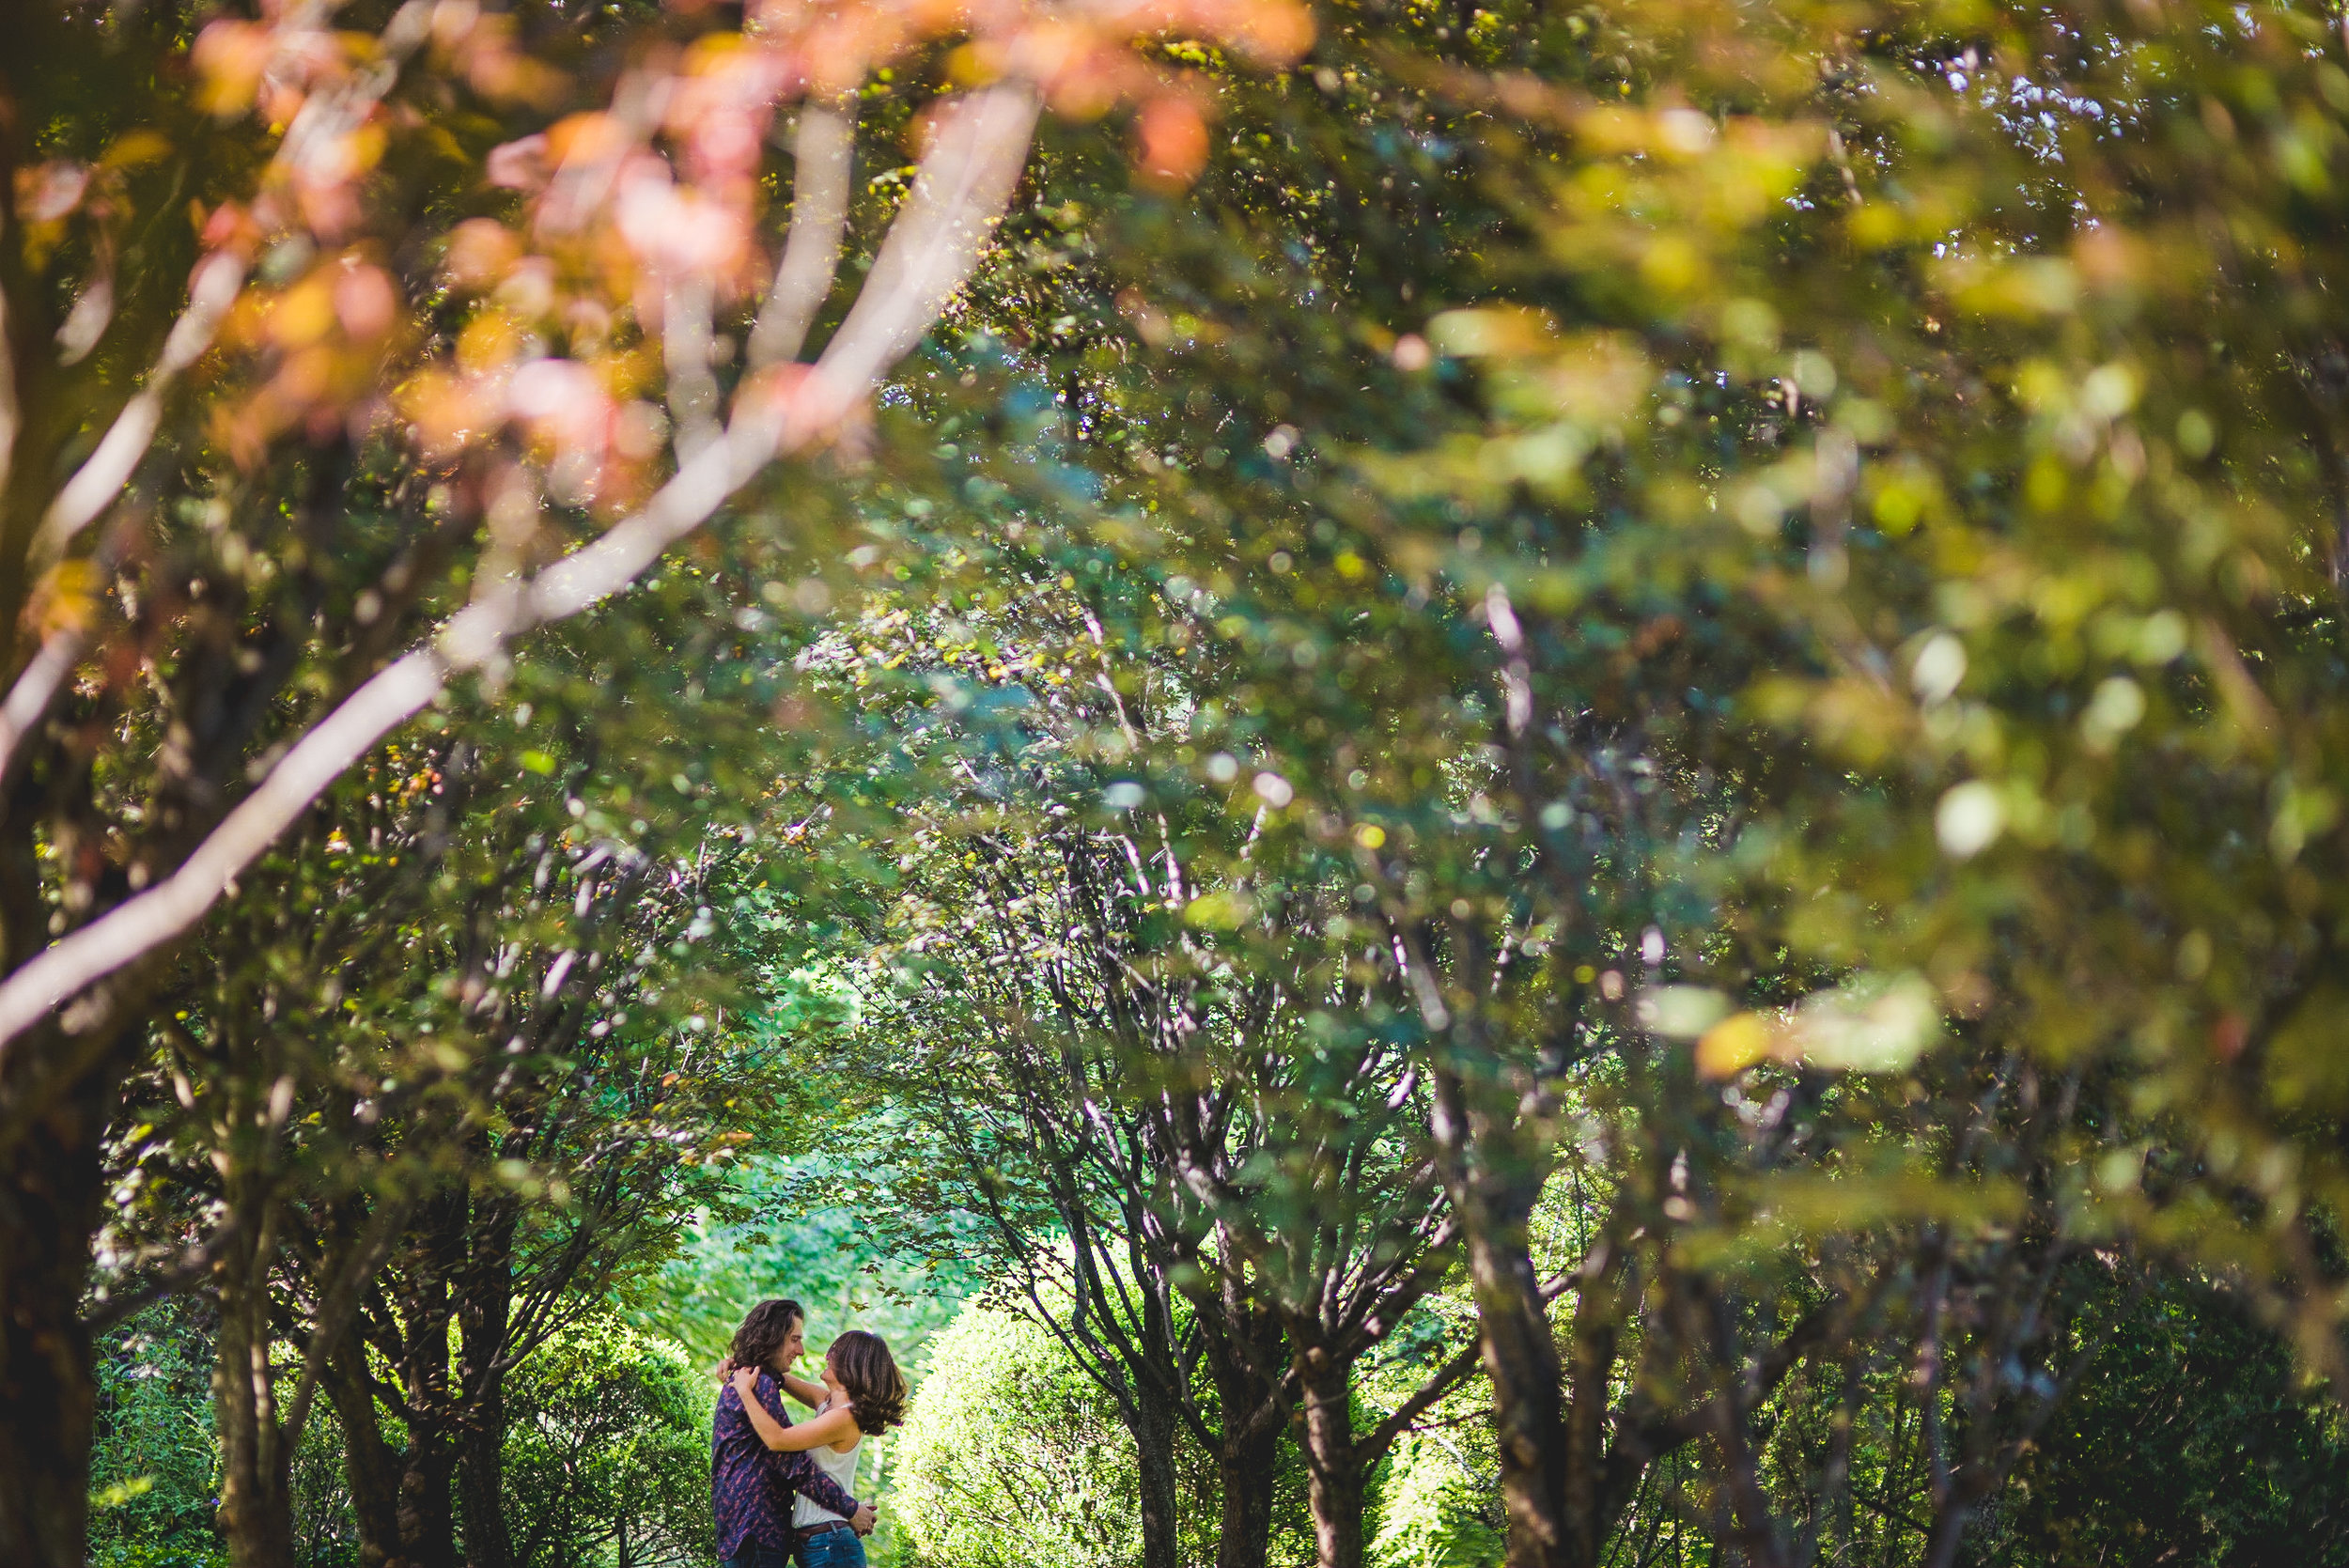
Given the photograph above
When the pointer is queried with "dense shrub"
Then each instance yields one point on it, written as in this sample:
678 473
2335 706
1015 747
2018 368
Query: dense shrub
151 1468
607 1451
2192 1439
1011 1456
1432 1508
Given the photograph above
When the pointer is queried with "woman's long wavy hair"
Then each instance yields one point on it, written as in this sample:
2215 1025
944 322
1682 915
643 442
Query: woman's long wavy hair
876 1389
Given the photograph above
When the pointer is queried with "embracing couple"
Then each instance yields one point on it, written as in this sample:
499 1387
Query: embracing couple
781 1490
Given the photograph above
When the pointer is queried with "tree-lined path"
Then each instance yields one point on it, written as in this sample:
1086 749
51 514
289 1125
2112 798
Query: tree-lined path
1435 784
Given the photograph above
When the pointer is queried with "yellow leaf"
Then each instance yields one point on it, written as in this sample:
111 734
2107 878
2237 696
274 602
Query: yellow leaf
1735 1043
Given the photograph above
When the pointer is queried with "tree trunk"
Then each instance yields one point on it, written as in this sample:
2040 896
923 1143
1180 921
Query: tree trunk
485 1301
1153 1442
428 1525
1333 1464
48 1202
481 1481
428 1521
1521 1359
401 1495
256 1508
1493 1182
1244 1467
369 1465
1599 1483
1244 1351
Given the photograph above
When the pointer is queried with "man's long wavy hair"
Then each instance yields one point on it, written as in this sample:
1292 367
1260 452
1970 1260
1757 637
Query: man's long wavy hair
763 1332
876 1389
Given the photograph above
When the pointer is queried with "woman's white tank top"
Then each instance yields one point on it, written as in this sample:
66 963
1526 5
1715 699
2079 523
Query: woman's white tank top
840 1467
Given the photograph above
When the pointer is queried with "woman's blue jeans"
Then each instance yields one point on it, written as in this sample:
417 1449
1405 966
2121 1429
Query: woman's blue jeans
835 1548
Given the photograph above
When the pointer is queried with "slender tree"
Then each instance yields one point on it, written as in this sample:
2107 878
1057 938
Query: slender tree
488 1068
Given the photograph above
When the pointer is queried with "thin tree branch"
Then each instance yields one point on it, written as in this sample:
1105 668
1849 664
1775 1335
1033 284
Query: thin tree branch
980 149
36 686
1373 1445
337 1307
190 1265
685 340
823 154
11 411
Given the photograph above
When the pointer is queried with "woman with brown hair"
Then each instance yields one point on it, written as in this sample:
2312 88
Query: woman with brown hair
863 1395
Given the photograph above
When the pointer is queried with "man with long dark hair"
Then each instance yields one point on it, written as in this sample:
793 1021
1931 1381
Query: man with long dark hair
751 1489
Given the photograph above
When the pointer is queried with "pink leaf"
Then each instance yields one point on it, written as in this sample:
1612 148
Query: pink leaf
520 166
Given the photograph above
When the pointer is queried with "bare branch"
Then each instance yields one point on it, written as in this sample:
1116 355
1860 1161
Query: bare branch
823 154
966 181
1373 1446
35 688
11 412
685 344
215 284
172 908
973 166
184 1269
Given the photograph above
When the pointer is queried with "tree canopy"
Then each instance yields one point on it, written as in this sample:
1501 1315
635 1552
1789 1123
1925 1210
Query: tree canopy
1532 782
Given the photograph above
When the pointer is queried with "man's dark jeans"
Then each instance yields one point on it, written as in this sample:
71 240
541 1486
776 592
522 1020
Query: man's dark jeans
753 1555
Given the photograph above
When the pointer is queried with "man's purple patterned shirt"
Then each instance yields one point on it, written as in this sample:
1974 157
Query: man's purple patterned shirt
750 1486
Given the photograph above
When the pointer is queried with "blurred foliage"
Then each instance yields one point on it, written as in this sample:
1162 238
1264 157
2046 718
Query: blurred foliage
1684 660
2192 1435
760 1239
1012 1454
607 1451
1838 568
151 1472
